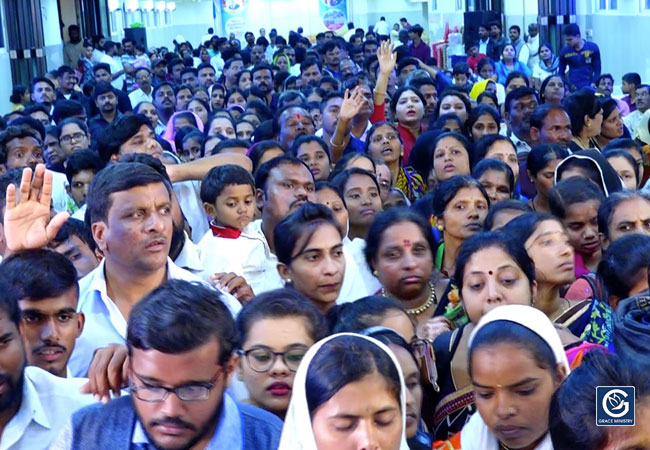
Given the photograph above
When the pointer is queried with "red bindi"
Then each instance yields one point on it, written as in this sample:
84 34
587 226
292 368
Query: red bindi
298 116
490 272
407 243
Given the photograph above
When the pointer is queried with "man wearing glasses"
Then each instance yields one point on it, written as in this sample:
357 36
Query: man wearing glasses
180 341
144 93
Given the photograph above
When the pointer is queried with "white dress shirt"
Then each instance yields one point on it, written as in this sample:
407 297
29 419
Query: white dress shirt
188 194
244 256
139 96
105 323
190 258
60 197
47 404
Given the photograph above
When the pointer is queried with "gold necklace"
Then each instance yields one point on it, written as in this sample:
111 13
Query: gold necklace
423 307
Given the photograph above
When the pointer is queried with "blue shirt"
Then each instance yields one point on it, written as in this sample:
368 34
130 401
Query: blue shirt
227 436
584 65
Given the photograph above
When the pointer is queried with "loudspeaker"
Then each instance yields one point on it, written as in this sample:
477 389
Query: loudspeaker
139 35
473 20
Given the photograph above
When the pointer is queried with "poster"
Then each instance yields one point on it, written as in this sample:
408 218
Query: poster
334 13
234 17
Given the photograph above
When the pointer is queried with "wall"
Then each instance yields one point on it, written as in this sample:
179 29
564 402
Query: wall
5 67
53 46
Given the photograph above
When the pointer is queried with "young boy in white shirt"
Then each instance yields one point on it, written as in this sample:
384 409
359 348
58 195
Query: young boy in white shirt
228 196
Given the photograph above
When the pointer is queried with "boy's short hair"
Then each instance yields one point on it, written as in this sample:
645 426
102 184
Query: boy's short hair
230 143
461 68
221 176
83 160
73 227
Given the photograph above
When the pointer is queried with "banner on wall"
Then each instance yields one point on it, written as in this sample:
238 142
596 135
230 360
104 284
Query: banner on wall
233 17
334 13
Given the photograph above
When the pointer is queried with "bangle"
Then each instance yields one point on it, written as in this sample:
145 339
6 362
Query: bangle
379 93
336 145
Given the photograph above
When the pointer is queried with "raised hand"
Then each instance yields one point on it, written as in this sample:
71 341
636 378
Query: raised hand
387 58
27 223
352 104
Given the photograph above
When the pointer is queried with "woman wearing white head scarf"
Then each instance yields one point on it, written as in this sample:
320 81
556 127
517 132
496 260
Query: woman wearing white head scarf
328 408
516 363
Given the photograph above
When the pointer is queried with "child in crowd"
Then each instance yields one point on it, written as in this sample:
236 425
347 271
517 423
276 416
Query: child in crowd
80 169
228 196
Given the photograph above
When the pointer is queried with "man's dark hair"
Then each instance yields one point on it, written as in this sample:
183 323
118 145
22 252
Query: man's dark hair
260 109
64 70
15 132
495 23
73 227
202 66
219 177
230 143
160 86
172 63
103 88
99 66
108 46
83 160
113 178
64 109
31 124
516 95
329 96
262 173
329 46
180 316
539 114
261 66
127 39
118 132
190 70
605 76
307 63
405 62
38 274
36 80
632 78
515 27
571 29
229 61
461 69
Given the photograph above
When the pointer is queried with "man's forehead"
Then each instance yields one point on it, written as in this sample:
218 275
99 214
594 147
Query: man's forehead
138 193
295 171
23 142
42 85
295 113
66 300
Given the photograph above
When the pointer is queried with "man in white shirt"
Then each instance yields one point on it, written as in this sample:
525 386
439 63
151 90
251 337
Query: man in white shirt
642 102
144 93
130 210
34 404
43 284
382 28
111 58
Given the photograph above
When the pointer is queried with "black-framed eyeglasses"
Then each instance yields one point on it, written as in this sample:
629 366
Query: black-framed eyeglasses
261 359
77 137
187 393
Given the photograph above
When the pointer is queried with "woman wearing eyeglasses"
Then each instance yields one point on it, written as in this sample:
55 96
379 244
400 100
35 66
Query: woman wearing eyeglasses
275 330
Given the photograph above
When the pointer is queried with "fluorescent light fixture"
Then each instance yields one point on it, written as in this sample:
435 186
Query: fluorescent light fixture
146 5
113 5
171 6
160 5
131 5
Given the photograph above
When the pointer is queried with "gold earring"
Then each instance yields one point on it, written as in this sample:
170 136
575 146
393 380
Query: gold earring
374 272
440 227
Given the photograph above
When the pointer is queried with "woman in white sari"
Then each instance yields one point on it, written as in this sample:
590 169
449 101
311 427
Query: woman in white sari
348 393
516 363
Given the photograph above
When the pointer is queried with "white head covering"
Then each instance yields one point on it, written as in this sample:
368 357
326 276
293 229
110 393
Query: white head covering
297 433
475 434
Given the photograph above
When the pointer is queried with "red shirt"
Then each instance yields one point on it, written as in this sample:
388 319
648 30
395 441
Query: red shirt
472 61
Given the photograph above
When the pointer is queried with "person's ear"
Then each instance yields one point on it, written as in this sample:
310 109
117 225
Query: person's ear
586 120
560 374
210 210
99 235
534 136
229 369
285 272
259 198
3 169
81 320
67 189
604 242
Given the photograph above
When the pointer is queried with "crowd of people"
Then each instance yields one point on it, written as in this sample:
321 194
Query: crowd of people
324 244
